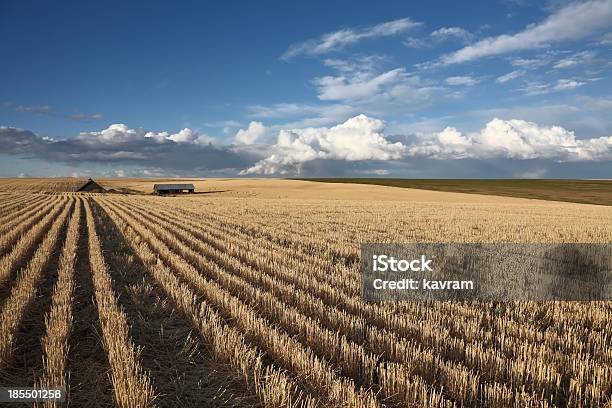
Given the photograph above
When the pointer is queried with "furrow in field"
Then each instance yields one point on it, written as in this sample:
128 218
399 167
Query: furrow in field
181 371
290 252
26 210
337 274
25 245
131 386
456 326
7 199
451 326
285 350
89 373
272 385
427 214
297 314
292 278
458 382
25 288
58 321
230 275
16 204
27 361
13 230
599 373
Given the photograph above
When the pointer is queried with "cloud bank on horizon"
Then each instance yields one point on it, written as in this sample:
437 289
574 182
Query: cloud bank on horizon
358 139
362 138
407 97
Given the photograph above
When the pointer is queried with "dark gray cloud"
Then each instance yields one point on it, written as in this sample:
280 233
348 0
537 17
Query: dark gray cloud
119 145
464 169
19 141
49 111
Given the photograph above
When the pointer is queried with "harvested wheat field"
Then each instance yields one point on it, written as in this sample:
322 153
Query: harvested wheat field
250 296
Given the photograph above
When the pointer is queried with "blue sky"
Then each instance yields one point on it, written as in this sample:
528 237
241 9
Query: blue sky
401 89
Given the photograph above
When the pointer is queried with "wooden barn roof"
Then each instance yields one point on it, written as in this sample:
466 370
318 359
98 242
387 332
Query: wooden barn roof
91 186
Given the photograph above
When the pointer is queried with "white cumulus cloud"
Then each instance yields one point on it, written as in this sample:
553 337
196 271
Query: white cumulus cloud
362 138
119 134
251 135
513 139
359 138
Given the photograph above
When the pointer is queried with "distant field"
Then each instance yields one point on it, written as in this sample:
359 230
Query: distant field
576 191
40 184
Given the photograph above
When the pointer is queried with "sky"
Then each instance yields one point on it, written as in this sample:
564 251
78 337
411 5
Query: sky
437 89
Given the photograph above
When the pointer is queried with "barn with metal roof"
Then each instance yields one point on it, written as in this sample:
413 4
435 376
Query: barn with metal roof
173 188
